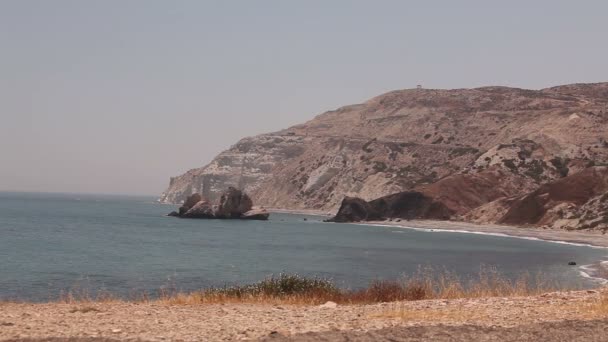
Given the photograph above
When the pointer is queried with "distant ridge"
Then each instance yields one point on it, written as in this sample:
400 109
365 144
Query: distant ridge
468 147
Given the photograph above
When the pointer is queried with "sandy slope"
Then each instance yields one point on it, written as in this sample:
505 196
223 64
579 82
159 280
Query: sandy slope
163 322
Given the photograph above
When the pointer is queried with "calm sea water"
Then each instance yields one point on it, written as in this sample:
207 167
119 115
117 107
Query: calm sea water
51 243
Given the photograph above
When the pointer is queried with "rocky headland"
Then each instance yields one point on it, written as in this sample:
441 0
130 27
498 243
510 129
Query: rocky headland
486 155
233 204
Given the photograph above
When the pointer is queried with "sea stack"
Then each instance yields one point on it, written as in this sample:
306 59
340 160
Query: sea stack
233 204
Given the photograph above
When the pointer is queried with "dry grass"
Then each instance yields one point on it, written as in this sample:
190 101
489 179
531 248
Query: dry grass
80 296
528 309
597 308
84 309
425 284
436 315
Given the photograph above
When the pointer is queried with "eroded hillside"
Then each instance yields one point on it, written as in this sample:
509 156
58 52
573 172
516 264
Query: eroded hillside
511 140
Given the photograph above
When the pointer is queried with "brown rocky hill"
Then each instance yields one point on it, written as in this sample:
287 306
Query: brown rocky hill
486 143
579 201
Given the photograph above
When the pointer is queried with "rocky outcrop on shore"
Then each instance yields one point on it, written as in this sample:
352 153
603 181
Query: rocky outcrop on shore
579 201
404 205
233 204
464 148
445 199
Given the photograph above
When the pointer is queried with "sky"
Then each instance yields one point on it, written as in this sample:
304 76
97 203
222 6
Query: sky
116 96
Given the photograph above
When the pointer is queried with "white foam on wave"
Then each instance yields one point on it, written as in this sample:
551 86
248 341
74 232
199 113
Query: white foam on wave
587 271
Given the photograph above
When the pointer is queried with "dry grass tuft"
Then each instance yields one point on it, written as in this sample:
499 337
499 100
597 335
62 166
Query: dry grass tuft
284 288
79 296
424 284
84 309
599 307
437 315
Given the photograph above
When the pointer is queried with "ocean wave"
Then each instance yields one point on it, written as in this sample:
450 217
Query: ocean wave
591 272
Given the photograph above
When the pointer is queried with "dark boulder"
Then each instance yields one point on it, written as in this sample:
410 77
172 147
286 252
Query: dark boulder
410 205
202 209
354 209
403 205
233 204
190 202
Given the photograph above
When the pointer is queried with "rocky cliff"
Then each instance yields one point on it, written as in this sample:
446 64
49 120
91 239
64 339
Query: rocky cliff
468 146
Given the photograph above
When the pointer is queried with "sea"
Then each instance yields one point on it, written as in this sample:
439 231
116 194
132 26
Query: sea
52 245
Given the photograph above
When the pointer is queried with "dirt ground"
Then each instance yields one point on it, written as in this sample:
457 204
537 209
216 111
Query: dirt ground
449 320
572 331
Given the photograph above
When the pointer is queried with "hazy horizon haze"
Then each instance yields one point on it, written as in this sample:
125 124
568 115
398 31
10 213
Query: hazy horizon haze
118 96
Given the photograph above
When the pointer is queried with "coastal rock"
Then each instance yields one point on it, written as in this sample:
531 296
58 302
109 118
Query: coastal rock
233 204
202 209
190 202
355 209
256 214
404 205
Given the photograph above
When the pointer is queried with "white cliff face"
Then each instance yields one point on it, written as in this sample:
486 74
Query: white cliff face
407 139
245 166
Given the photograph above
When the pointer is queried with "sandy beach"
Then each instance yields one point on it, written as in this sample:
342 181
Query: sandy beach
158 321
591 238
582 237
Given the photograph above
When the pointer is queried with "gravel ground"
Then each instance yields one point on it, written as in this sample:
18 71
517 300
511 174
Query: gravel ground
429 319
571 331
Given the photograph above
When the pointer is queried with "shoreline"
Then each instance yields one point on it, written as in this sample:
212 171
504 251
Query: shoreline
581 238
311 212
597 271
587 238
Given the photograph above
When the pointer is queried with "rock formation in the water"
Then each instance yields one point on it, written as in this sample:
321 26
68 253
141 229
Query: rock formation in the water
464 148
233 204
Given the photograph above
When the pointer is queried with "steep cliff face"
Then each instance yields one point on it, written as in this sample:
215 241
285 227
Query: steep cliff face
245 165
410 139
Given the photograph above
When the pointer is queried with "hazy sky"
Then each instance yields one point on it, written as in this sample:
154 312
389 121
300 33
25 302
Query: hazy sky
116 96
